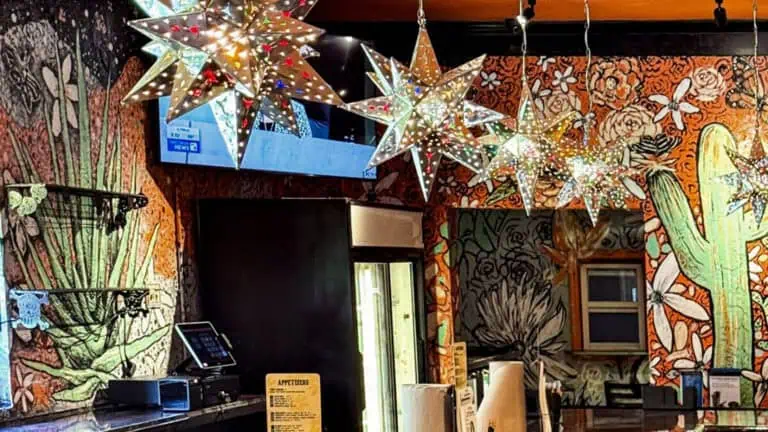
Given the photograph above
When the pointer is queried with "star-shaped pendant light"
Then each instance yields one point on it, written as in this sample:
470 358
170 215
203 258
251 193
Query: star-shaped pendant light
529 150
243 55
425 111
751 177
594 173
750 180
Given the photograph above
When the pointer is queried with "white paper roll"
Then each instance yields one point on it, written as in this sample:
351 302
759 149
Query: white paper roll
427 408
503 406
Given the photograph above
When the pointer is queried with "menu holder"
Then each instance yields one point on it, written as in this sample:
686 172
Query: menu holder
724 388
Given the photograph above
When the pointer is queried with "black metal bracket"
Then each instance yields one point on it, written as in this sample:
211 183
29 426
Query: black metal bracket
63 204
29 302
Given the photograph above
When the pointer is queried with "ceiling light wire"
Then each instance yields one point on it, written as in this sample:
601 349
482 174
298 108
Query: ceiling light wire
588 49
758 84
421 17
523 22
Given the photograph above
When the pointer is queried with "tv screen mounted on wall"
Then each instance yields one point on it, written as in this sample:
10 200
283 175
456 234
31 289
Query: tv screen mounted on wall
331 142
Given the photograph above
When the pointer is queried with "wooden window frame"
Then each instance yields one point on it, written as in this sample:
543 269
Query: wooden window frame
610 307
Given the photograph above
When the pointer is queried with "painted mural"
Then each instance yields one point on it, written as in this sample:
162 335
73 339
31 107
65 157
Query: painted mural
705 270
61 123
62 76
662 105
64 65
514 303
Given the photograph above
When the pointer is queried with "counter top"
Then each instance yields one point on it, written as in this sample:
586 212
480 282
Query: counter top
627 420
112 420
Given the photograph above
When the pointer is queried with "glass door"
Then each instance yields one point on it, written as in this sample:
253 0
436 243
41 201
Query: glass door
386 339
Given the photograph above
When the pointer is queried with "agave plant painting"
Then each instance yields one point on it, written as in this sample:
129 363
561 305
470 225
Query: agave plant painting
89 339
513 304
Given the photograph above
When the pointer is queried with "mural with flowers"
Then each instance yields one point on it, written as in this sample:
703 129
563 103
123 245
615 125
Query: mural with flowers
514 299
64 66
707 273
705 269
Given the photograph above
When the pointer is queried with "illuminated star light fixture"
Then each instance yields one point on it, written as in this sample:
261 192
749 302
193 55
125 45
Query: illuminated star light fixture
751 176
244 55
593 172
528 151
424 110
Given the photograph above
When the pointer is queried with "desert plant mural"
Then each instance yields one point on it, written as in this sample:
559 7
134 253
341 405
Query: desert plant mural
715 256
72 256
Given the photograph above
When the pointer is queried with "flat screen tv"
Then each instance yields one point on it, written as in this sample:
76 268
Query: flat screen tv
332 142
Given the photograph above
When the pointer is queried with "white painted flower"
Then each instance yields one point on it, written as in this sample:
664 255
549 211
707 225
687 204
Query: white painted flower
663 292
489 80
70 95
564 79
629 182
23 394
480 178
544 62
655 374
466 203
381 187
761 379
754 268
677 106
538 94
447 184
701 359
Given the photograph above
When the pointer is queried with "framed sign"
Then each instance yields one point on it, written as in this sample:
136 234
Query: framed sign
293 403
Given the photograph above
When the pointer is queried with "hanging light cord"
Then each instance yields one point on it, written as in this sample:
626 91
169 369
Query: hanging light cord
421 17
758 106
587 24
523 21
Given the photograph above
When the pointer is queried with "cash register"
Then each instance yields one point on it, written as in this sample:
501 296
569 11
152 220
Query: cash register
198 382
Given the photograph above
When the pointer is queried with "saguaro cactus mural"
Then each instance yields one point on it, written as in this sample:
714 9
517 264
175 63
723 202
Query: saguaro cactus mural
714 257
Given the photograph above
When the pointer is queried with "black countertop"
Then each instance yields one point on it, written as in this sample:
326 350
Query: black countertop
626 420
112 420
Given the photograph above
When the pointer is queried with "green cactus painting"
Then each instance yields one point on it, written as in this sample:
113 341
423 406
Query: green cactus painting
91 340
714 257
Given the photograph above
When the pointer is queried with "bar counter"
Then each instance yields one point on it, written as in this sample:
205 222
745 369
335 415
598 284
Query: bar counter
115 420
629 420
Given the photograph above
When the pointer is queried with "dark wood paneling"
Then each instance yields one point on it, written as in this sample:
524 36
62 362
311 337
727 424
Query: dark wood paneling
276 277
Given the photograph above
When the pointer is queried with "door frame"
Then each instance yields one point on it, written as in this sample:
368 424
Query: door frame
416 258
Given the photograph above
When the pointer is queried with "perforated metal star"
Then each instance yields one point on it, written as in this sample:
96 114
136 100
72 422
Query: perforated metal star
425 111
750 180
242 54
529 150
594 173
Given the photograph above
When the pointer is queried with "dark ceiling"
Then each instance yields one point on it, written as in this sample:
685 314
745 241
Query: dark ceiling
546 10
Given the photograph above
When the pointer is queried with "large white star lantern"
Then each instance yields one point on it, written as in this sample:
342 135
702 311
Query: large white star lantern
750 180
595 173
529 150
425 111
242 55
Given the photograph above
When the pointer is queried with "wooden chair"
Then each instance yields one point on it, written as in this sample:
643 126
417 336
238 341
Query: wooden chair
620 395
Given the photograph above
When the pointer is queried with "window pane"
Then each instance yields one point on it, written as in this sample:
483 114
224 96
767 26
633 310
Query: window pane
612 285
614 327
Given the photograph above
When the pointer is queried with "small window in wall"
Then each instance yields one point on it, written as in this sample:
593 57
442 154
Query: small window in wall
613 307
